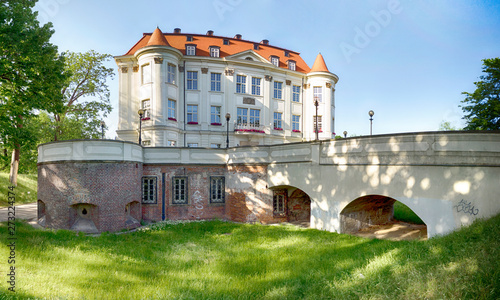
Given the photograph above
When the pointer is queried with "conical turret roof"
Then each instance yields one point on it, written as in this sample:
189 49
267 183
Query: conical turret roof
319 64
157 39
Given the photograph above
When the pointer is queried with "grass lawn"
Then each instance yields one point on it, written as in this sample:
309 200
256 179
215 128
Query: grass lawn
222 260
25 191
405 214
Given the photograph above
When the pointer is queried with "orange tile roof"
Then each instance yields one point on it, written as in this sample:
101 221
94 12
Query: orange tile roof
203 42
319 64
157 39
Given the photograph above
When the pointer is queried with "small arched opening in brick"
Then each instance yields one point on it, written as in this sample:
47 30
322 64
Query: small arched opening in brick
292 205
373 216
85 216
132 215
299 208
41 213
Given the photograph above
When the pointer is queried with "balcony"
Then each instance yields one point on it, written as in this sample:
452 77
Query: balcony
249 128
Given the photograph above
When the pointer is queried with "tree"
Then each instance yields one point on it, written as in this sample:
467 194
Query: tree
482 107
81 119
446 126
31 74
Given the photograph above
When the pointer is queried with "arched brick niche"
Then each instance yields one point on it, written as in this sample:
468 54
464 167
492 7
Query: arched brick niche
103 189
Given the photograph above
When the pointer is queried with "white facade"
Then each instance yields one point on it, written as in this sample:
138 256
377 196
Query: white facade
186 97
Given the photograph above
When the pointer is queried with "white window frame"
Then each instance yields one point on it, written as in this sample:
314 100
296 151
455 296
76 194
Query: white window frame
320 123
192 113
318 93
242 118
279 203
275 60
146 73
217 189
296 123
256 82
296 93
292 65
146 106
254 118
215 82
278 120
215 115
149 187
278 90
241 84
171 73
180 190
192 81
214 51
172 109
191 50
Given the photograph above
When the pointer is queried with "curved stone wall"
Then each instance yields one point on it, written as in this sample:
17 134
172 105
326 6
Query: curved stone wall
448 179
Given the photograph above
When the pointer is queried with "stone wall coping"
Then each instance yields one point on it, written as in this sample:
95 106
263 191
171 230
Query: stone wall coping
420 148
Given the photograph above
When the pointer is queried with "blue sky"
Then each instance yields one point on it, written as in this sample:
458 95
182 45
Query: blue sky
409 61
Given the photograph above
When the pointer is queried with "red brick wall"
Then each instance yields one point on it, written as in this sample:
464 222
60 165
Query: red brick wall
111 186
199 206
108 186
249 198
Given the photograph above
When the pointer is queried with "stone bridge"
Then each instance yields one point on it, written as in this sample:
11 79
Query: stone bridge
448 179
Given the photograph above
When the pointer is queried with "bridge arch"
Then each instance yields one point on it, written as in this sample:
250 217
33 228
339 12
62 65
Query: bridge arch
367 211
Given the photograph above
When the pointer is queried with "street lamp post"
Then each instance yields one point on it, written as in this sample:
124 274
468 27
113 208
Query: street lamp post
141 113
102 130
371 113
316 103
345 134
228 117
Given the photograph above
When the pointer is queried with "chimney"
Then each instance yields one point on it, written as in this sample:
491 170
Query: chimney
177 30
210 32
265 42
238 36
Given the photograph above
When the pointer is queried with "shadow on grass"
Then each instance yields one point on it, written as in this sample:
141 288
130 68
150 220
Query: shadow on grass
206 260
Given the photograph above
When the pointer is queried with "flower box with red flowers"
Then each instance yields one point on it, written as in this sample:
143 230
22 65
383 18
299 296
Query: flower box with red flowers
277 128
295 130
250 130
192 123
172 119
216 124
147 118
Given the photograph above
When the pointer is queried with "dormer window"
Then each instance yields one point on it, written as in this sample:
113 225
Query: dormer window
189 38
226 42
255 46
287 54
214 51
275 61
190 49
292 65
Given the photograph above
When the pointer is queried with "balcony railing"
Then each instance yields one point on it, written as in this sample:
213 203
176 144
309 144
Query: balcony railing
249 128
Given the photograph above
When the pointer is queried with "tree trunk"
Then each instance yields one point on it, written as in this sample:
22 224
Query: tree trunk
14 166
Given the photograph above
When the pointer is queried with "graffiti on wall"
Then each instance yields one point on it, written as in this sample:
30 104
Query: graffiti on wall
466 208
198 204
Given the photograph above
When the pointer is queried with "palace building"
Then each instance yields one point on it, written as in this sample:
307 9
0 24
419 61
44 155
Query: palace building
281 165
196 90
180 97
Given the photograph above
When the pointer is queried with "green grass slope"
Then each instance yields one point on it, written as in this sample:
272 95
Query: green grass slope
222 260
25 192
